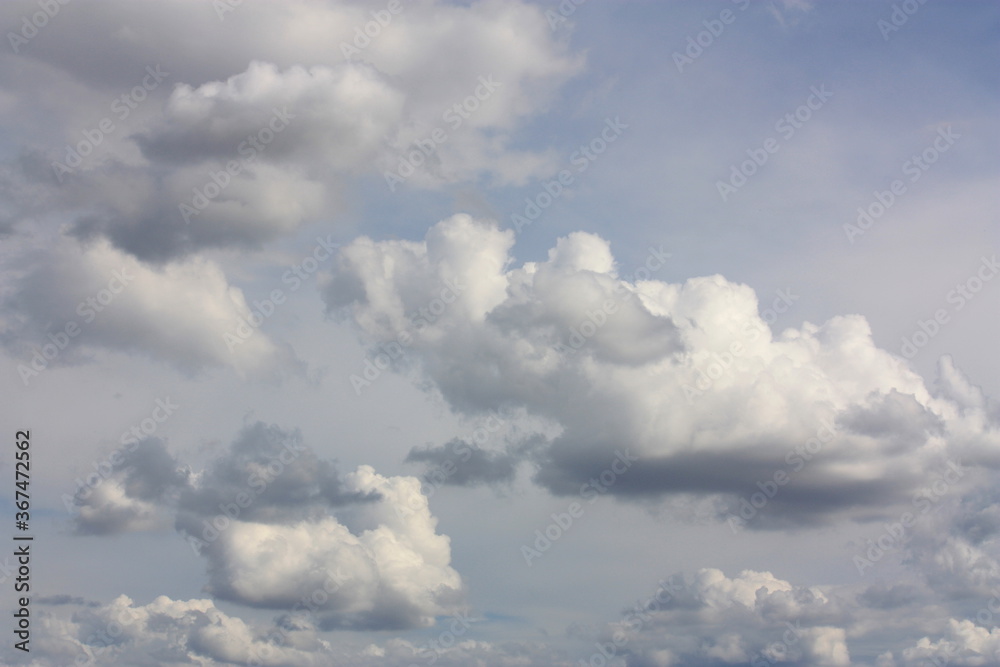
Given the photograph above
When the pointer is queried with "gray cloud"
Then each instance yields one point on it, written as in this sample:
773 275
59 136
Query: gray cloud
135 496
254 142
462 463
96 298
303 485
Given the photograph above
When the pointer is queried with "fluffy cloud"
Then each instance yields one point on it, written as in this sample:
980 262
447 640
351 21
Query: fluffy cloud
337 115
264 139
967 645
282 529
716 620
621 360
288 481
460 463
169 632
96 297
377 565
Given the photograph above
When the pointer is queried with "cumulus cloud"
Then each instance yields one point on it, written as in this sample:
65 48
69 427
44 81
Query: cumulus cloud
338 115
385 577
283 529
99 298
167 632
133 495
263 140
459 462
306 486
965 644
619 359
713 619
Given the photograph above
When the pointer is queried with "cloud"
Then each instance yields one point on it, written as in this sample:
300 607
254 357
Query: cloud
282 529
338 115
712 619
133 497
158 218
167 632
97 297
253 133
63 599
966 644
303 486
184 632
459 462
622 361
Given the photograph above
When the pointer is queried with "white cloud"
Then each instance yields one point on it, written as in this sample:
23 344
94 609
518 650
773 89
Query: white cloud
282 529
168 633
967 644
389 570
178 313
717 620
619 360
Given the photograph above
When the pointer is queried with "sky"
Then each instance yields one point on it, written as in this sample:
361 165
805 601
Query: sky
643 334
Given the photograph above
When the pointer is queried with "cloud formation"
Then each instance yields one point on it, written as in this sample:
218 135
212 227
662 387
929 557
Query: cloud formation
250 148
66 302
818 421
282 529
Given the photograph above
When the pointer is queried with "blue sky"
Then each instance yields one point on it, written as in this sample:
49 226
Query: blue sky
693 378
